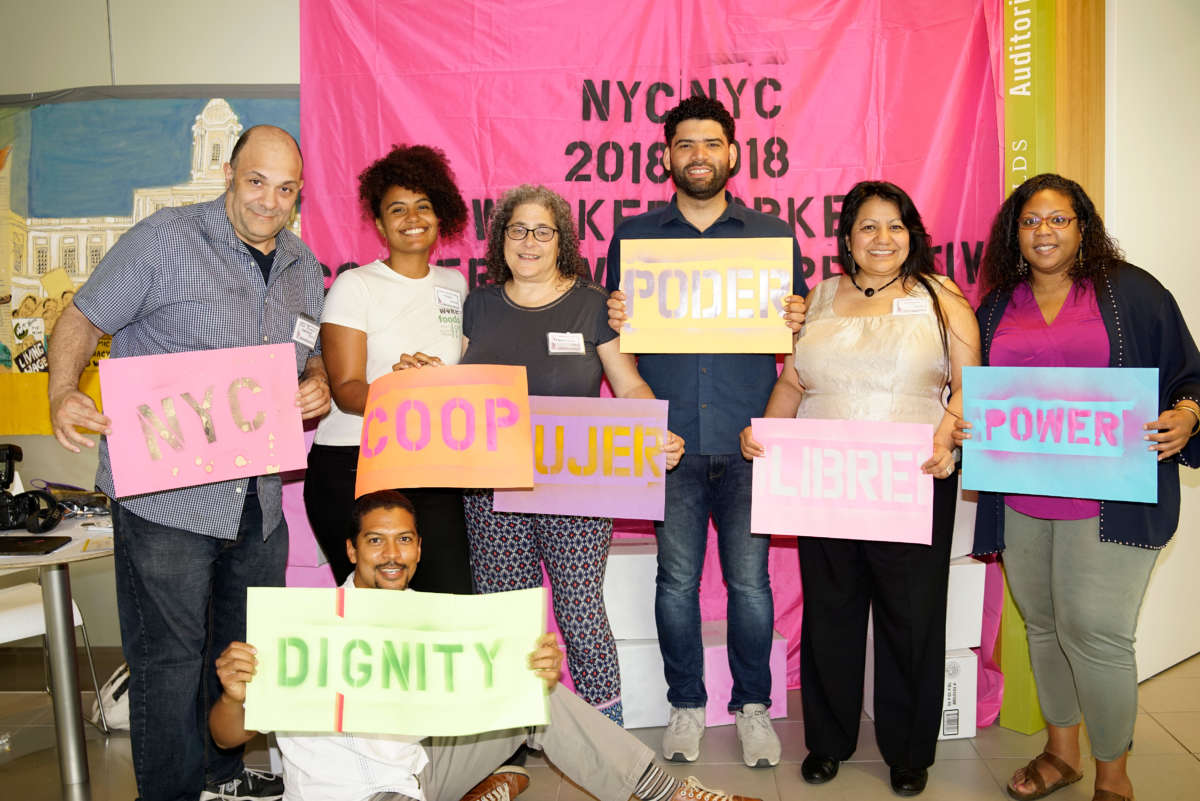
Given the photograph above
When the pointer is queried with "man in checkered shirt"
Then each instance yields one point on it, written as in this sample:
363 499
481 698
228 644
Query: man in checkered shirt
221 274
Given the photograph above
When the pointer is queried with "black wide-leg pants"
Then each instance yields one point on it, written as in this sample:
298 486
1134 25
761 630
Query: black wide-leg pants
906 584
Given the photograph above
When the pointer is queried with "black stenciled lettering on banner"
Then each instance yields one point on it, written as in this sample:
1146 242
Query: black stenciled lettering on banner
597 97
481 210
586 219
771 158
832 214
971 253
611 158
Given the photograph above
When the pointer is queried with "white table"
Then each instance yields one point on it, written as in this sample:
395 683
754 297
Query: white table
86 543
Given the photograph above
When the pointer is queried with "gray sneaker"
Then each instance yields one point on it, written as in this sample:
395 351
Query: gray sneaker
760 745
681 740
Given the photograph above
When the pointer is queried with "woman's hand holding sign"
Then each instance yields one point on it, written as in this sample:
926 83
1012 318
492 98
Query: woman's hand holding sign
1174 428
416 360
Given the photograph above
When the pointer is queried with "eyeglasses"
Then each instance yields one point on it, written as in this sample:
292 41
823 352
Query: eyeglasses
543 233
1032 222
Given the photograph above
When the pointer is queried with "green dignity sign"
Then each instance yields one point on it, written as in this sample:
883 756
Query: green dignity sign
393 662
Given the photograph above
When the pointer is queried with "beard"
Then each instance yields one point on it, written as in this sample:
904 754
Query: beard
701 189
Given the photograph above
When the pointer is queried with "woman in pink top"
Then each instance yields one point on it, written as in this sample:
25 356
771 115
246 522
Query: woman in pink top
1059 295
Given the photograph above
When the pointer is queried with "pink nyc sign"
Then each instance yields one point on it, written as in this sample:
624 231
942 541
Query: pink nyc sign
182 419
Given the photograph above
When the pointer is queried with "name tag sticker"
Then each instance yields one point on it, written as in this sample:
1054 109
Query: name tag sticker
449 311
306 330
910 306
447 298
565 343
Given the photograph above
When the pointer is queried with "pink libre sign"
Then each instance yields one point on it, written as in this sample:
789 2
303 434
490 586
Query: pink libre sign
594 456
182 419
848 479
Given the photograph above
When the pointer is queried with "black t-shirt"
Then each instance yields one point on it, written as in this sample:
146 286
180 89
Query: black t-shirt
501 332
264 260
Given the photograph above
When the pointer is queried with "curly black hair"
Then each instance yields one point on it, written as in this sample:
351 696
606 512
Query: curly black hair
698 107
570 263
419 168
380 499
1003 267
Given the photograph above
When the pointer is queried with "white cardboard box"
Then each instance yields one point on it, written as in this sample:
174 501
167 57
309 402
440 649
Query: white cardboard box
643 688
629 588
959 692
964 523
964 603
959 695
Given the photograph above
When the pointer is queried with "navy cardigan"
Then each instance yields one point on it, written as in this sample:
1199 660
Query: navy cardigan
1145 329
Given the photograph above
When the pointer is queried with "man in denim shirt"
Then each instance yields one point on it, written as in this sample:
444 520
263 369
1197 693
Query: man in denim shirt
712 398
221 274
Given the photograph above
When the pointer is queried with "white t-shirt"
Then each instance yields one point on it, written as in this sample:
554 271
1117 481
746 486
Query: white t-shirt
399 315
349 767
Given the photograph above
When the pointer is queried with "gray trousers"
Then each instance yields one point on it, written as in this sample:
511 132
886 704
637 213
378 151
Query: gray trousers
1080 599
586 746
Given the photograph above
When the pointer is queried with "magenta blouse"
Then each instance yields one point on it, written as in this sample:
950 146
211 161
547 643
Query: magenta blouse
1076 338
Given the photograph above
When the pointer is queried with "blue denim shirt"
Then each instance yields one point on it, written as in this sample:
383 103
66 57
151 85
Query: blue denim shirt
712 396
181 280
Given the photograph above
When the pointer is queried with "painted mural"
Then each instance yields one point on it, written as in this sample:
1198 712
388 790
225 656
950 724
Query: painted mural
75 176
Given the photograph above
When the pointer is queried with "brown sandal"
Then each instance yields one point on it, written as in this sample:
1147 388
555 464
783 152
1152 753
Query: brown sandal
1109 795
1067 775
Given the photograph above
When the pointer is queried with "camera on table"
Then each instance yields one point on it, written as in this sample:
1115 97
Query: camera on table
35 511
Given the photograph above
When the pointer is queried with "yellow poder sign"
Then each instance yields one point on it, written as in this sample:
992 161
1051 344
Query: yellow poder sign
706 295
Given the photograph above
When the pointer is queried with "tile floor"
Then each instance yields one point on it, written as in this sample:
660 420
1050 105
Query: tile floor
1165 762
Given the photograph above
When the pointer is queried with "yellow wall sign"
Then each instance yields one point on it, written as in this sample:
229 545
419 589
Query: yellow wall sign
1028 90
706 295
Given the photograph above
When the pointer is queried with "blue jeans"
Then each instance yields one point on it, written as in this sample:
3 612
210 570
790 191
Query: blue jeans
181 599
718 485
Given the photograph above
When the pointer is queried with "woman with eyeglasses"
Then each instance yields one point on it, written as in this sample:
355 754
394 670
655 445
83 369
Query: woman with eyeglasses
541 310
392 314
1058 294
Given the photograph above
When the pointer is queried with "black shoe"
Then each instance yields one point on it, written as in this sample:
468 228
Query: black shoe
817 769
909 781
250 785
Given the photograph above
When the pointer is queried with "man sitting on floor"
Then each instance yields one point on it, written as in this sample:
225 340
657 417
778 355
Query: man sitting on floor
591 750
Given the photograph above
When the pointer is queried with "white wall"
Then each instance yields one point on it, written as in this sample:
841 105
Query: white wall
60 44
1152 105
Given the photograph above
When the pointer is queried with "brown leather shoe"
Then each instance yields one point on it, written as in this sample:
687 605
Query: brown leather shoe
506 783
693 790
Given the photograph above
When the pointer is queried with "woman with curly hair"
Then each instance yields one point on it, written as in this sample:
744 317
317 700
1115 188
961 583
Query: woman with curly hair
541 310
1058 294
389 315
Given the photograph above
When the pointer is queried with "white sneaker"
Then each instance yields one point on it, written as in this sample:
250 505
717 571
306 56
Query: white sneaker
760 745
681 740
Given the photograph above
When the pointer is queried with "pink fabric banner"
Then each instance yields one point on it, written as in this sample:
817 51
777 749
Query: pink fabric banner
571 95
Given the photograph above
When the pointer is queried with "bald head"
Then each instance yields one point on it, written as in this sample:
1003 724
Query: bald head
262 183
256 132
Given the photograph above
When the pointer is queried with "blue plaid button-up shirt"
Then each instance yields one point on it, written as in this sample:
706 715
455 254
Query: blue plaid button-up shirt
181 280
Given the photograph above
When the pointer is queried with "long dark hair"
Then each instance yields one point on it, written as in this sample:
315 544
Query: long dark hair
918 266
1003 268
